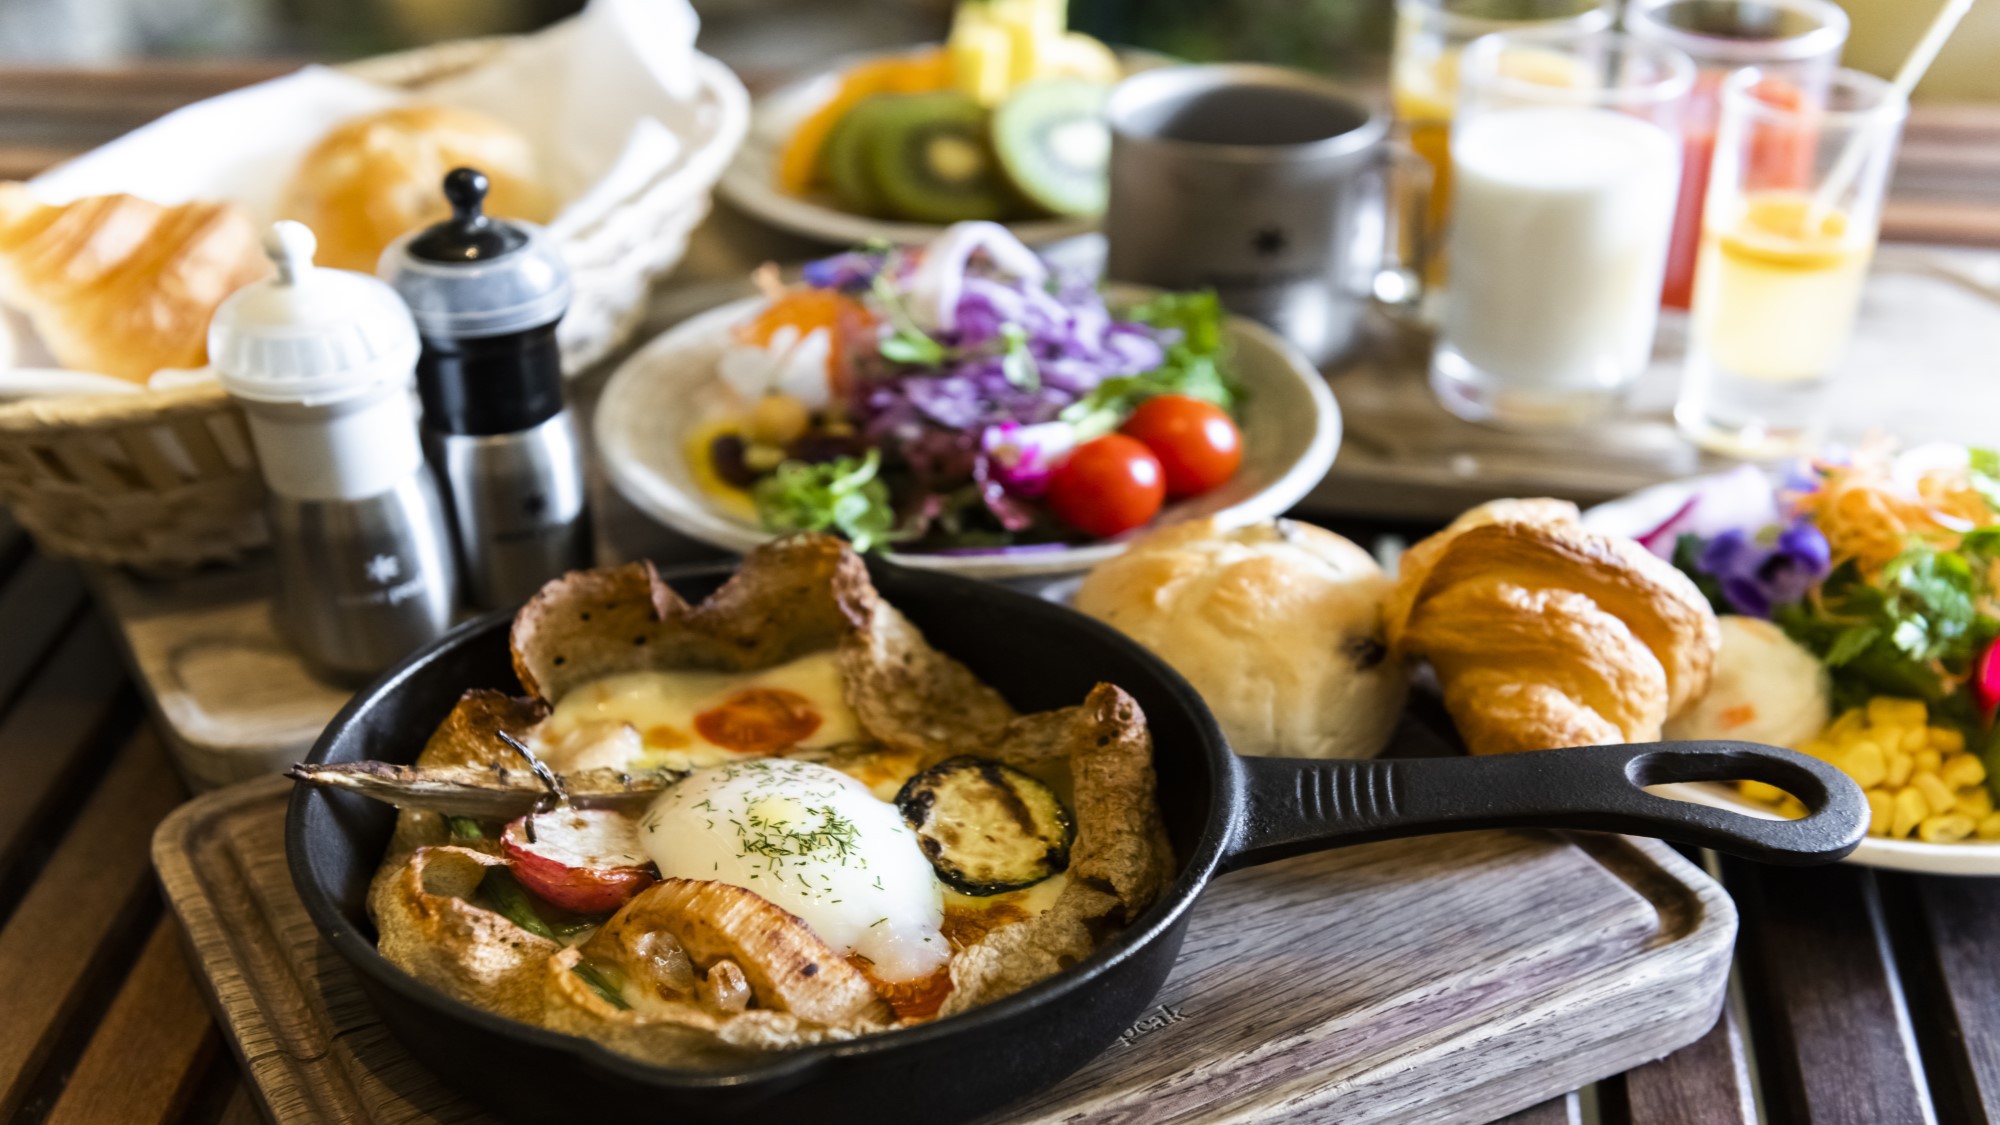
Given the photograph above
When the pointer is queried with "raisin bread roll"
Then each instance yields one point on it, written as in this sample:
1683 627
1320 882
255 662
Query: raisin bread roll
1277 625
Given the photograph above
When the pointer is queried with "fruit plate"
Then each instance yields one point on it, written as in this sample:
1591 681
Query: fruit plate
751 181
1290 422
1647 509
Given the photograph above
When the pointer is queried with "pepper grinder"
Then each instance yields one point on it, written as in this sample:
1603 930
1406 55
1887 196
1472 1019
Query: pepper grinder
487 295
321 361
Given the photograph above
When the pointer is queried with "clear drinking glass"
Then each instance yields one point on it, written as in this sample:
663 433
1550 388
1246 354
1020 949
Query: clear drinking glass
1565 157
1794 43
1794 204
1423 75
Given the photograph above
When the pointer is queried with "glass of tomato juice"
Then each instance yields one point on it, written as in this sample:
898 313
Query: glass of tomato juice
1795 46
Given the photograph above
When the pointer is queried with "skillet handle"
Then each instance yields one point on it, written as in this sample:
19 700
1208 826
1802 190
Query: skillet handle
1296 805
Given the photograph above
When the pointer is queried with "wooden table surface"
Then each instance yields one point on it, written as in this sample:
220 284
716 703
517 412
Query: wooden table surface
1864 998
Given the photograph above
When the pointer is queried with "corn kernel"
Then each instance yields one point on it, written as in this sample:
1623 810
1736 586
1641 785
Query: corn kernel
1989 826
1791 808
1848 723
1866 764
1901 766
1946 740
1928 761
1961 771
1911 809
1881 811
1891 711
1820 748
1916 738
1974 803
1758 791
1936 793
1945 828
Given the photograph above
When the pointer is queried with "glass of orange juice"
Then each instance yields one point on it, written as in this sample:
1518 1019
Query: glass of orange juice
1794 203
1791 42
1423 78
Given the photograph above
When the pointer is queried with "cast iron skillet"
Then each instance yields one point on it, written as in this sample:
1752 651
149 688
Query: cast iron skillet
1222 812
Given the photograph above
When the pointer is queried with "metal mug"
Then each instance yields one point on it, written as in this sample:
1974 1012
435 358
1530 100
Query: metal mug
1266 185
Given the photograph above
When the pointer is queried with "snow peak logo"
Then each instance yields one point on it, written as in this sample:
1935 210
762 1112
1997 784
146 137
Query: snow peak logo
1158 1018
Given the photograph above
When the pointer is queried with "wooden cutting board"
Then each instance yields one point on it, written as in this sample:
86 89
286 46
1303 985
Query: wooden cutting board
1445 979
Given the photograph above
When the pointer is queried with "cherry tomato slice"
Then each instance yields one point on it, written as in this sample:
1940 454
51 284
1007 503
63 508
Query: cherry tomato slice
758 721
1107 486
1199 447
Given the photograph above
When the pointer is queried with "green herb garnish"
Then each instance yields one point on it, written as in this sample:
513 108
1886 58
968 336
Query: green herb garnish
844 495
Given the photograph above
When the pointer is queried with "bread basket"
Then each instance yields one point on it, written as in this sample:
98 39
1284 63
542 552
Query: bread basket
166 479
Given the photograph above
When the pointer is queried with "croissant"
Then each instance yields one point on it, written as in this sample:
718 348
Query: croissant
1544 634
120 285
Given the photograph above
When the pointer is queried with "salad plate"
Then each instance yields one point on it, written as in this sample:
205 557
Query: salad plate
1744 498
751 182
656 401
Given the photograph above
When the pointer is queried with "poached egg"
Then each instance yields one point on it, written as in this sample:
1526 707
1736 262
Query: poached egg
813 841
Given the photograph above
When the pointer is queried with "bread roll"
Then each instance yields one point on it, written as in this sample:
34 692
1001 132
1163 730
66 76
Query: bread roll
374 178
1544 634
1277 625
120 285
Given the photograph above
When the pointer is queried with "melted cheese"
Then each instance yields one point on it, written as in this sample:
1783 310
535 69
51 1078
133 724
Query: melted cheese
648 720
969 918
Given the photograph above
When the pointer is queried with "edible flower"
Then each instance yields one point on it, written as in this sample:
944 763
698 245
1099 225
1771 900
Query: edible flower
1022 457
1986 681
1755 578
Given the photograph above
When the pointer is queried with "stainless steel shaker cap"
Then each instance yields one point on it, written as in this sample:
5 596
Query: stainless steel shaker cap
310 335
474 275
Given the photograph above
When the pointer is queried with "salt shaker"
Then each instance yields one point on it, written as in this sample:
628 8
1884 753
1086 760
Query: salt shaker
321 361
487 295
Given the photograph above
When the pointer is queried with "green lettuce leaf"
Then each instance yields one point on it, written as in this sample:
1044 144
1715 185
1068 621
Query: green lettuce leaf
845 496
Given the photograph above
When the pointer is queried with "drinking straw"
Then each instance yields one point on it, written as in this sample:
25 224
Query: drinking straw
1919 61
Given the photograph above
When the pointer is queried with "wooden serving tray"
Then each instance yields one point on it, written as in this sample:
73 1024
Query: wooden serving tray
1449 979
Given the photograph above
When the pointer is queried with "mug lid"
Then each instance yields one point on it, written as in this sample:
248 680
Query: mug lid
310 335
475 275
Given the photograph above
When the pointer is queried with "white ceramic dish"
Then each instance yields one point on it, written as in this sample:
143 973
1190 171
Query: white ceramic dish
1291 429
751 182
1644 510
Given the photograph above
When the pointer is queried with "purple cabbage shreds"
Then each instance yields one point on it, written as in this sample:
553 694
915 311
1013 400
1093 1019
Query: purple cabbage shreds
850 272
1013 513
1756 578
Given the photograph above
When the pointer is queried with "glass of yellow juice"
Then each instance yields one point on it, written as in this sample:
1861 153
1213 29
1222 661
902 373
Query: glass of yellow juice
1423 81
1788 228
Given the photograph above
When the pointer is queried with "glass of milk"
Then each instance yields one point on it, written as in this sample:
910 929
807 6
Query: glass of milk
1423 80
1566 162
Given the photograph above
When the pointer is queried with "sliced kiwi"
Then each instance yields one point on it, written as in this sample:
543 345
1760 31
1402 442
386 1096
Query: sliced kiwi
928 155
844 159
1053 144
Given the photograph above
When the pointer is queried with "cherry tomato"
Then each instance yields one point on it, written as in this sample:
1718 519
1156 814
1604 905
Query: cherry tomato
1107 486
759 721
1197 444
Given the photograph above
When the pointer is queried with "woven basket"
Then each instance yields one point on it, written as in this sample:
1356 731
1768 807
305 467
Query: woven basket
167 479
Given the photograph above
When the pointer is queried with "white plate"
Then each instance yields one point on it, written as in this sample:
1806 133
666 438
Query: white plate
751 183
1291 429
1644 510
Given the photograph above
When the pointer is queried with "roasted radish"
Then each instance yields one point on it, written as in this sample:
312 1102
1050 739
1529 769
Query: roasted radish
584 860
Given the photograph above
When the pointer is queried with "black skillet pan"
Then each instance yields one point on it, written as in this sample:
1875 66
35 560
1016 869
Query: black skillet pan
1222 812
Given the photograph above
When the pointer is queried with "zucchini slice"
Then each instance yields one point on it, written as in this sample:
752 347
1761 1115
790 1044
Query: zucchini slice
986 826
